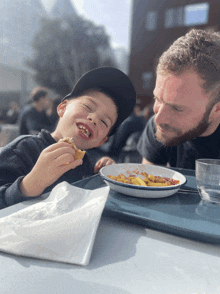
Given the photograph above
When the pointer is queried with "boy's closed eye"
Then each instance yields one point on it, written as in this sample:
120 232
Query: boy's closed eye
90 109
104 123
87 107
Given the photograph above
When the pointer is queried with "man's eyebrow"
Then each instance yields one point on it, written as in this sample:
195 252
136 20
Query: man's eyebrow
170 103
95 104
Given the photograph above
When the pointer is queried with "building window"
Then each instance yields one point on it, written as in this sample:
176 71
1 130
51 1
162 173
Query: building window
151 21
147 79
174 17
168 20
195 14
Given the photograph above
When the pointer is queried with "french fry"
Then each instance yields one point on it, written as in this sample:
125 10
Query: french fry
141 182
149 180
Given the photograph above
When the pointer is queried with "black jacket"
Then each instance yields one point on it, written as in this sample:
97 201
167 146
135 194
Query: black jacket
17 160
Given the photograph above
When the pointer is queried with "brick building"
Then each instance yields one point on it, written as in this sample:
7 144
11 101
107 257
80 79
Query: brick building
155 25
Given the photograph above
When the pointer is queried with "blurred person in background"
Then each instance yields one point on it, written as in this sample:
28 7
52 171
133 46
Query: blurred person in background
13 113
129 152
3 111
135 123
52 111
147 112
33 117
138 108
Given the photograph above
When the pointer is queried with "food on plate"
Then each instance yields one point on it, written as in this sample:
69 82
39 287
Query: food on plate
79 154
147 180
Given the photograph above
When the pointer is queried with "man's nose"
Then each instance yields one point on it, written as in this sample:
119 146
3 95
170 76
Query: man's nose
162 115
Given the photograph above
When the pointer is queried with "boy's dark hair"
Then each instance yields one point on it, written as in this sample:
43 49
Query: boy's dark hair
37 93
113 83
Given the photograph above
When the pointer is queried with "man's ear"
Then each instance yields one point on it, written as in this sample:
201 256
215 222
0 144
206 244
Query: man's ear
61 108
215 112
103 141
217 105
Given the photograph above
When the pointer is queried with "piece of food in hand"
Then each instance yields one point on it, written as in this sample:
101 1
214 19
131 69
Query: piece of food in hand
79 154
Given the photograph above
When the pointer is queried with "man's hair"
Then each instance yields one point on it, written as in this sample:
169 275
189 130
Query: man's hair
37 93
198 50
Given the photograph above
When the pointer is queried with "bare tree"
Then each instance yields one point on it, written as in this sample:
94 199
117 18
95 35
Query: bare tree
67 48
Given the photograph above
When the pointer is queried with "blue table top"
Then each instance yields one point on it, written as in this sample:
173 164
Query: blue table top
127 258
182 214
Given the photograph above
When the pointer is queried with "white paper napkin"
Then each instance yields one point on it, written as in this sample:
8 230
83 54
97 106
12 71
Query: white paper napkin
61 228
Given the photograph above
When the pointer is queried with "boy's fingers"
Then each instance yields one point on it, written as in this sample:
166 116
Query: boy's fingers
74 164
103 162
57 146
64 159
110 161
55 154
70 165
54 146
97 166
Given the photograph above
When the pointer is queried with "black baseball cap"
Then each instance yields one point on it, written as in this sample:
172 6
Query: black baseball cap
113 81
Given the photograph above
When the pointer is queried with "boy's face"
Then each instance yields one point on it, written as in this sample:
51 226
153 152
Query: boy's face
87 119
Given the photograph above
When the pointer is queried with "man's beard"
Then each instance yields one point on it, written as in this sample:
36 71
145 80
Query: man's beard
189 135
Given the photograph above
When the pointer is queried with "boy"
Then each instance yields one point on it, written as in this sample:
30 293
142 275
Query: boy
34 164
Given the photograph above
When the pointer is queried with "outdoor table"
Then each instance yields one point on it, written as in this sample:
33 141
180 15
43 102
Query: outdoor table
132 253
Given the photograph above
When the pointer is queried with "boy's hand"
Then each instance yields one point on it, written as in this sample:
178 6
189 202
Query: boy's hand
52 163
103 162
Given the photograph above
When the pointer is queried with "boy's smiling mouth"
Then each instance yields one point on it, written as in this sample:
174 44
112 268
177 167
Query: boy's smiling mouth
84 130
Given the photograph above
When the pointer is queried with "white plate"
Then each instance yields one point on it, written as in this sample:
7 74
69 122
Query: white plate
141 191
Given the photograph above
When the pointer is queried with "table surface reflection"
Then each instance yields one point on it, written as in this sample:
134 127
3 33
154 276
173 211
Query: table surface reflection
127 259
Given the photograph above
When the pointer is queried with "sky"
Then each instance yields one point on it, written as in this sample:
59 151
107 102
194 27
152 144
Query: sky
115 15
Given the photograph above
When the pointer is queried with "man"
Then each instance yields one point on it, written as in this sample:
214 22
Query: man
33 118
185 126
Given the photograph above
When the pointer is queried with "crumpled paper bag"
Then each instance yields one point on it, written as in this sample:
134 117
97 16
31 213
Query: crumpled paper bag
61 228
